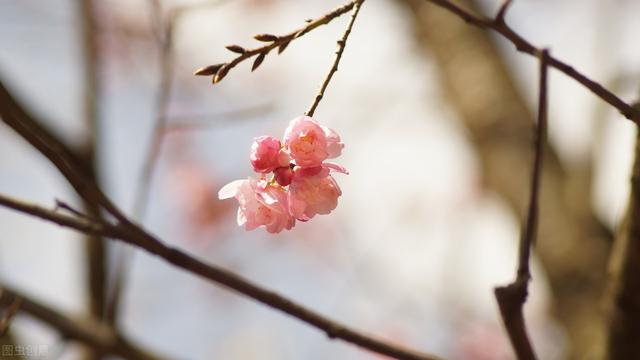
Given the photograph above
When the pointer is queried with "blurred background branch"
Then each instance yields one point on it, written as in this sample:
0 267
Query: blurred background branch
498 25
574 244
27 126
511 298
623 296
95 247
98 337
126 68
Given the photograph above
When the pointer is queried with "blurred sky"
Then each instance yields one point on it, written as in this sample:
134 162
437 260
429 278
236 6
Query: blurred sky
415 246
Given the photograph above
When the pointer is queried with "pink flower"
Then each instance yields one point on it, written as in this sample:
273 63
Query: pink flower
306 141
312 191
300 187
260 204
334 144
266 154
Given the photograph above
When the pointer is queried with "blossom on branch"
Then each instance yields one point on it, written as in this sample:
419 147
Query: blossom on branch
300 186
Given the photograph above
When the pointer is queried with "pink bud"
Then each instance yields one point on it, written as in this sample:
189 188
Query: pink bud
265 154
334 144
283 175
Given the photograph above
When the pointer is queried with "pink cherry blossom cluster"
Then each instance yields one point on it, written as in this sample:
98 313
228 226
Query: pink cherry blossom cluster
301 185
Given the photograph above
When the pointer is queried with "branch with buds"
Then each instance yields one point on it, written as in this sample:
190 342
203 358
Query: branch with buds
219 71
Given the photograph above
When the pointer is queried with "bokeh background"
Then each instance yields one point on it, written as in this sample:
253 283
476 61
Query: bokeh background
436 117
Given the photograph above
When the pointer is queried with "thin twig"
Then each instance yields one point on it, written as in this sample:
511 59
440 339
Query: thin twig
11 311
200 121
25 125
524 46
341 45
502 12
164 30
622 296
59 204
95 248
161 105
164 35
219 71
99 337
82 224
511 298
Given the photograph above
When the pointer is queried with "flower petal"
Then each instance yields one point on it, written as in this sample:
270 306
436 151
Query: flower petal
333 166
230 190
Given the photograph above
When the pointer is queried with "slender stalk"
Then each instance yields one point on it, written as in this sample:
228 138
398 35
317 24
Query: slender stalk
95 247
511 298
341 45
280 42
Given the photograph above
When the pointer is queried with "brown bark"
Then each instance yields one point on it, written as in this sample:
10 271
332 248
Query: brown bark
99 337
572 245
95 247
624 268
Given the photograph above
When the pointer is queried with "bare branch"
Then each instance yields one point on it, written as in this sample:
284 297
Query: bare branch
511 298
228 279
11 311
622 298
280 42
524 46
341 45
97 336
164 30
13 115
81 224
210 121
95 248
61 205
502 12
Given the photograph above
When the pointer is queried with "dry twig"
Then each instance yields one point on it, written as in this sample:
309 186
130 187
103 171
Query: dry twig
164 31
219 71
341 45
523 45
12 310
99 337
511 298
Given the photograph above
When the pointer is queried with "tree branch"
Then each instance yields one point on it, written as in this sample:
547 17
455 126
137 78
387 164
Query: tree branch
125 230
164 30
341 45
95 247
623 297
511 298
11 311
522 45
219 71
15 115
82 224
575 243
334 330
97 336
